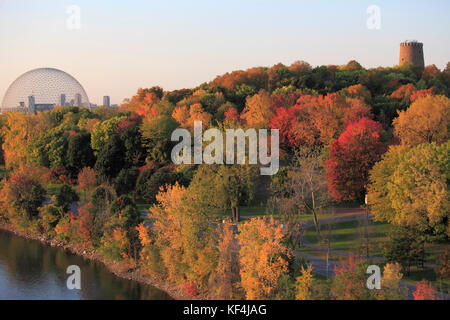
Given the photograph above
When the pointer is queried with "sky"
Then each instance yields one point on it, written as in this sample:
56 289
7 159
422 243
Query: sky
121 46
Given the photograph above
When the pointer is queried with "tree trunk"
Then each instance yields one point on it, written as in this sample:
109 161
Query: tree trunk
316 221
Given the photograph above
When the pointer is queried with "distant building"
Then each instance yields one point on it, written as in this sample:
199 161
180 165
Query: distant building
412 52
62 100
78 100
31 104
107 101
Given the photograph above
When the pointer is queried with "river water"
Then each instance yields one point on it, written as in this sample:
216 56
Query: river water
31 270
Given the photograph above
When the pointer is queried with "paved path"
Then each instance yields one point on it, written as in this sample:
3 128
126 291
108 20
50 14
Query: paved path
319 264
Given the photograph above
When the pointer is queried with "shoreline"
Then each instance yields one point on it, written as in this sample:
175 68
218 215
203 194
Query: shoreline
134 274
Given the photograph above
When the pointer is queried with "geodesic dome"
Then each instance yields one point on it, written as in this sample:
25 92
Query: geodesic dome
46 85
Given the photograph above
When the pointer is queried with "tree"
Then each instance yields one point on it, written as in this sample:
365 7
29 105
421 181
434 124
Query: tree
225 279
184 234
349 282
110 159
156 134
303 284
186 117
443 265
426 120
405 246
18 134
65 197
424 291
351 158
79 153
390 284
125 182
50 216
103 131
87 180
262 256
85 226
231 184
409 188
258 110
20 198
318 120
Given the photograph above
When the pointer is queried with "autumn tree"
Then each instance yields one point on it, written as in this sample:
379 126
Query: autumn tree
424 291
350 280
318 120
258 110
225 279
426 120
443 265
409 188
263 257
232 185
186 116
18 133
87 180
183 233
300 189
351 158
304 284
390 284
20 199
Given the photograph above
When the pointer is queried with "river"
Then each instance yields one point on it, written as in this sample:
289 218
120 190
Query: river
30 270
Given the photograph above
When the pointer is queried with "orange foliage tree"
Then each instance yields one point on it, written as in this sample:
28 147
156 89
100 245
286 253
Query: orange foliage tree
426 120
186 116
263 257
424 291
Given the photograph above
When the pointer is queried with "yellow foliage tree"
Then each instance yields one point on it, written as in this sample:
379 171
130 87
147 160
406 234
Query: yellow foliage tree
18 133
187 116
303 284
258 110
426 120
390 284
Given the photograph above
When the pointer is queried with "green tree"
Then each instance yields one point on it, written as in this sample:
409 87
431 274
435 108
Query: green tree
79 153
65 196
156 133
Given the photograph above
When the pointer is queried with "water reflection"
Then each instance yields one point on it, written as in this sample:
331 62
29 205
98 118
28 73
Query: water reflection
31 270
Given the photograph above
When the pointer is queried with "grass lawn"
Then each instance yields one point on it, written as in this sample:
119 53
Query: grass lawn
53 189
349 236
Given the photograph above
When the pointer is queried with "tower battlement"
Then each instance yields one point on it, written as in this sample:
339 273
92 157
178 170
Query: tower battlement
412 52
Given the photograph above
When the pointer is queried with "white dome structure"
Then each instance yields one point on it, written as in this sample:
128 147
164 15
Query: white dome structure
43 89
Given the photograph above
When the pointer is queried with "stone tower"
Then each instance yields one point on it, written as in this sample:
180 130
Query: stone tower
412 52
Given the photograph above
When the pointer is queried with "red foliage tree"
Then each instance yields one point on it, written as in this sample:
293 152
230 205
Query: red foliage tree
351 157
317 120
420 94
232 115
424 291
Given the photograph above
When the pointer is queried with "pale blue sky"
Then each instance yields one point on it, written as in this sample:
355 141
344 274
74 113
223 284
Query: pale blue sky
124 45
